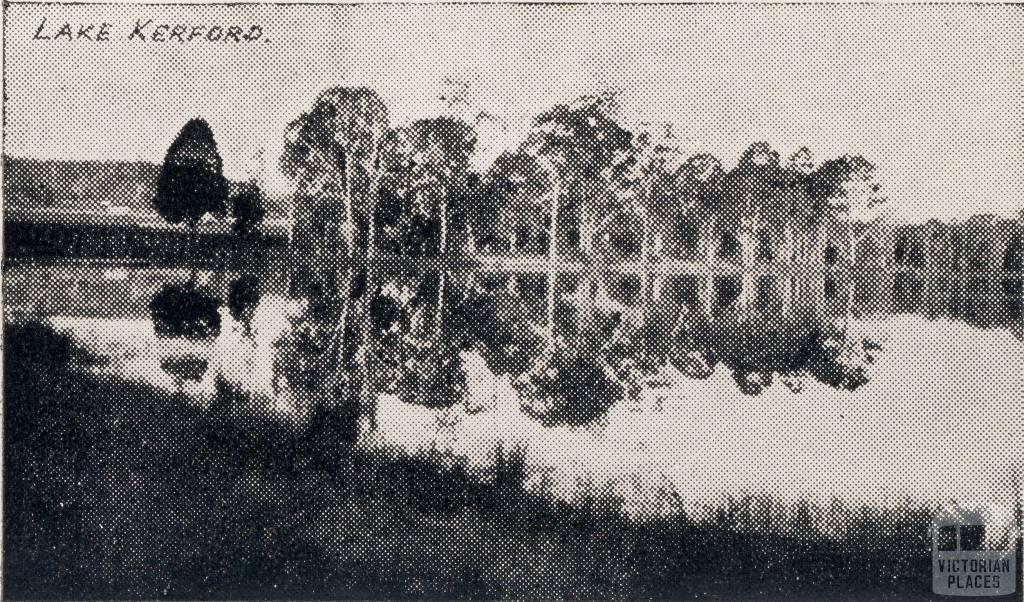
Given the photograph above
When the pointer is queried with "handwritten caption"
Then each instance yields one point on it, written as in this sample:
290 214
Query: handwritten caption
149 31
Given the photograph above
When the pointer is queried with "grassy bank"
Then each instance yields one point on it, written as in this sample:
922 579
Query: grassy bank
118 490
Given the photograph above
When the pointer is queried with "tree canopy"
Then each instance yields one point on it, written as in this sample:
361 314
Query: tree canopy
425 176
511 212
332 153
582 173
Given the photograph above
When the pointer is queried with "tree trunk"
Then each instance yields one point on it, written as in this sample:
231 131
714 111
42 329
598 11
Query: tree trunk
336 349
586 232
371 218
292 210
552 264
443 242
645 235
367 393
443 253
439 315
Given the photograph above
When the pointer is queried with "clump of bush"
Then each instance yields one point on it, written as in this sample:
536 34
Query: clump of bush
756 350
429 375
579 378
569 385
421 371
34 346
409 354
182 310
842 362
496 324
188 367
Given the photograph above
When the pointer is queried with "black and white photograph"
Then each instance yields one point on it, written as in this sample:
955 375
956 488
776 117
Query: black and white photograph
527 301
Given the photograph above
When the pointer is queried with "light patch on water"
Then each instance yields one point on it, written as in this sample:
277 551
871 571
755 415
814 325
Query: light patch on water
242 357
133 351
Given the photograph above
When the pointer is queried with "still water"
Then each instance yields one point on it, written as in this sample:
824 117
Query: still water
666 391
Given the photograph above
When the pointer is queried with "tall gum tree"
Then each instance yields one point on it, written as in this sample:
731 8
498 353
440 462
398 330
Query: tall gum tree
423 170
511 214
592 154
426 172
589 155
332 154
427 175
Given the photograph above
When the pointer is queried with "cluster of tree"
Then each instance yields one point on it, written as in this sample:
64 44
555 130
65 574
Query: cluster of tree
363 184
582 177
582 173
981 242
602 183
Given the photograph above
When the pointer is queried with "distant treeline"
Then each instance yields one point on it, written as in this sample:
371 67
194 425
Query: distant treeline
91 186
983 242
27 239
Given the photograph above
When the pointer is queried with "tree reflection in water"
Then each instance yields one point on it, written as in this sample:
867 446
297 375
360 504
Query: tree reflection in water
606 339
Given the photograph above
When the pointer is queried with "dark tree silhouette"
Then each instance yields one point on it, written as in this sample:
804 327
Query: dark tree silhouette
426 178
181 310
243 298
191 182
1013 258
248 207
511 214
592 154
826 185
191 185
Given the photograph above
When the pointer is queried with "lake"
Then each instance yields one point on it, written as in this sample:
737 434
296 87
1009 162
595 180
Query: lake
668 392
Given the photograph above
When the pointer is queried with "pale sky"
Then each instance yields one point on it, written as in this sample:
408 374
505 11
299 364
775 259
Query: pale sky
933 95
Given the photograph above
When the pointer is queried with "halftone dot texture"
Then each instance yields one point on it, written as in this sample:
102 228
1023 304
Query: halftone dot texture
507 301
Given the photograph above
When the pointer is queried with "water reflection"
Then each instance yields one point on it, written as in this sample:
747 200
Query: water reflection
574 343
309 339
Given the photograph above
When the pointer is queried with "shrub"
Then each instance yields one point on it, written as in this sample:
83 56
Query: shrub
410 355
243 297
498 325
758 349
570 385
182 310
188 367
510 468
248 207
32 345
422 372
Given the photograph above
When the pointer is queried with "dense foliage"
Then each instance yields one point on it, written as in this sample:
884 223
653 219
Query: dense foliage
182 310
248 208
191 182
